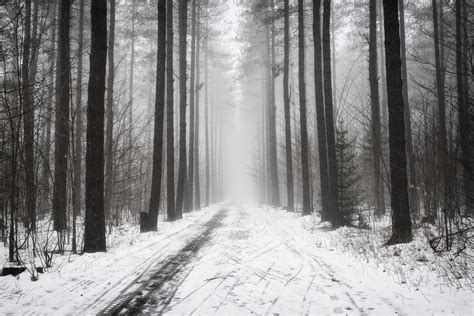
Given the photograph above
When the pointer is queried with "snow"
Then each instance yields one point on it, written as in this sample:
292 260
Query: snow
241 260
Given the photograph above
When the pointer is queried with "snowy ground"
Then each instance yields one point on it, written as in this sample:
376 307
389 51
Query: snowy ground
228 260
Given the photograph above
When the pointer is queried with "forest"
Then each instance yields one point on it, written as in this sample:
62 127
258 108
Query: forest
236 156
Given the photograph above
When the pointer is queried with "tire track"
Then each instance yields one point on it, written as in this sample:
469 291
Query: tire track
166 273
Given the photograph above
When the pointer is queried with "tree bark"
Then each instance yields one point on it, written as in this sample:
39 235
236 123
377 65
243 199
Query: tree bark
197 184
320 115
206 109
335 214
77 187
109 115
375 109
275 188
159 117
171 213
94 227
464 115
286 104
183 13
303 124
412 180
28 114
401 223
61 134
441 100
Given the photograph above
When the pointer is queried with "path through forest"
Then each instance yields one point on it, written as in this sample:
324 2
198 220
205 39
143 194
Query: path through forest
223 260
252 260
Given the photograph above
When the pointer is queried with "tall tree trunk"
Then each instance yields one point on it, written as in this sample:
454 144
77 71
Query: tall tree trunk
275 188
464 114
268 99
320 114
197 184
401 223
286 104
303 128
183 16
206 107
94 227
129 188
109 116
170 191
375 109
61 134
45 174
442 136
28 110
335 214
412 181
159 116
189 196
76 192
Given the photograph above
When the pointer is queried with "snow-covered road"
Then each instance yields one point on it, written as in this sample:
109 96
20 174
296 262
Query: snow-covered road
226 260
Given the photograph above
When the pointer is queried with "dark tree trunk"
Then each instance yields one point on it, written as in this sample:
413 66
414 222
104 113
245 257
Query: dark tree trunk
375 109
28 125
335 214
189 192
442 136
275 188
320 115
401 223
303 129
76 192
183 13
94 227
159 116
286 104
411 167
170 114
109 115
61 134
197 184
464 115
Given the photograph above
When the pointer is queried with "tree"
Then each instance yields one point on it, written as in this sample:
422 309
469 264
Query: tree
441 100
347 182
206 108
412 181
109 115
401 223
303 128
272 137
189 193
464 115
94 225
171 213
197 184
320 112
183 13
286 104
375 110
61 134
335 216
159 117
77 186
28 79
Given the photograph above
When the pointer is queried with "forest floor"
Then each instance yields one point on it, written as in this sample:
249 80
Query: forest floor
231 259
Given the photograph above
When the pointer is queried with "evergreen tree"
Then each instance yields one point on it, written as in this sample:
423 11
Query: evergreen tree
347 181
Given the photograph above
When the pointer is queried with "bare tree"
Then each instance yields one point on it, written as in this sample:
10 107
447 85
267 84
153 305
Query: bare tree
401 223
94 226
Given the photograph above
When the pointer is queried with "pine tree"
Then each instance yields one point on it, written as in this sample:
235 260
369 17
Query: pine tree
347 181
